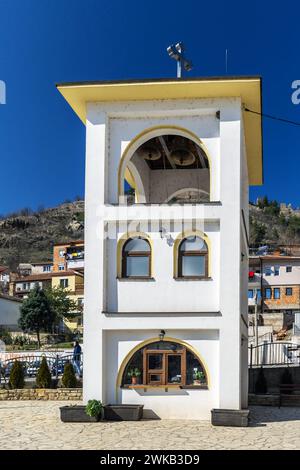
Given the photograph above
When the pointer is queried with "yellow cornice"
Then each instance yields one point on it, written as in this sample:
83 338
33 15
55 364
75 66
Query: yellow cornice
247 88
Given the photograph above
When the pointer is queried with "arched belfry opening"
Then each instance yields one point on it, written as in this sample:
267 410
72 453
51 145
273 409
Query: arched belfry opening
168 168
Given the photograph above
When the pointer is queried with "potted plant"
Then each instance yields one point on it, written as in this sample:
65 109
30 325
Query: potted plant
199 377
91 413
134 374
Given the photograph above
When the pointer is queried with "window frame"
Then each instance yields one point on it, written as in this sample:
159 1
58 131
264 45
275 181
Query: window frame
135 254
202 253
288 269
276 289
266 296
252 293
288 289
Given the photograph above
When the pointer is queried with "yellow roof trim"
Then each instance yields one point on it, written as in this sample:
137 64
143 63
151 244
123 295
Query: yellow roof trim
247 88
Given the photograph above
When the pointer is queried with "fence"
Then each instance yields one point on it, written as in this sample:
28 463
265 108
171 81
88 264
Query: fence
274 354
31 364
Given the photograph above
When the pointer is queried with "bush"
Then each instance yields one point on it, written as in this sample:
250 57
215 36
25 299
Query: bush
43 378
16 377
5 336
69 378
94 408
261 383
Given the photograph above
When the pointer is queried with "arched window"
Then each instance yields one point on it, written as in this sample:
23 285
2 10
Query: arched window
193 258
136 258
164 363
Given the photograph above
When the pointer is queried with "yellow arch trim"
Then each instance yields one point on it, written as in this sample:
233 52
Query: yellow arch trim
121 242
178 240
152 340
129 178
189 134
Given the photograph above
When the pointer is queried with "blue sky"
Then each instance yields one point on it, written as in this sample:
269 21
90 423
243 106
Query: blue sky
42 42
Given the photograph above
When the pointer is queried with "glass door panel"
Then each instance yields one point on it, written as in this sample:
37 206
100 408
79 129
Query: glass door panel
174 374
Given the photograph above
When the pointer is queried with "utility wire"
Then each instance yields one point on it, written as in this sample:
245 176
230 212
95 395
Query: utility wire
275 118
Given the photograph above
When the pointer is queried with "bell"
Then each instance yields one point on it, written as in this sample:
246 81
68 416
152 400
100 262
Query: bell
149 152
182 157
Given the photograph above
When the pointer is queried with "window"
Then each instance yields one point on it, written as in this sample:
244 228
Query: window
61 267
61 253
268 293
136 258
268 271
47 268
289 291
276 270
258 294
64 283
250 293
193 258
276 293
288 269
164 363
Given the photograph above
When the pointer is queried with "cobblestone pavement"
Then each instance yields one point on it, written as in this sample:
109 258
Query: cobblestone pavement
36 425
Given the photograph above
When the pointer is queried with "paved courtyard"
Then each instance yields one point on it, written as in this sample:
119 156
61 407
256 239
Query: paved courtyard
36 425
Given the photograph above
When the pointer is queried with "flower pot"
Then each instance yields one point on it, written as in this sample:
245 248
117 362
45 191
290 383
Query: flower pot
123 412
76 414
133 380
197 382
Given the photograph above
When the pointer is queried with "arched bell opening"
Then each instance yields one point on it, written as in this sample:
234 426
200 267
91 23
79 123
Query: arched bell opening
168 168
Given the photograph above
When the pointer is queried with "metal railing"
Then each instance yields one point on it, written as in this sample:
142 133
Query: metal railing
274 354
31 364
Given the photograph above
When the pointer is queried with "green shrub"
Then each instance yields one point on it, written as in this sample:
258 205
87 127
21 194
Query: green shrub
5 336
43 378
16 377
94 408
69 378
261 383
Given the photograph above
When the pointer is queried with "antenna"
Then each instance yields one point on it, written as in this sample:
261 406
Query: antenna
176 53
226 59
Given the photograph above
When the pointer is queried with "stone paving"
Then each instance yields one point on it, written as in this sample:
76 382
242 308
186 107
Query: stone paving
36 425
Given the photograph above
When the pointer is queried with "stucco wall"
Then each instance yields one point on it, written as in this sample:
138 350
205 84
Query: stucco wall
188 404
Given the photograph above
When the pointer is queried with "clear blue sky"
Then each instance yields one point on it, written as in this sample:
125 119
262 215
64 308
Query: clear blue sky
42 42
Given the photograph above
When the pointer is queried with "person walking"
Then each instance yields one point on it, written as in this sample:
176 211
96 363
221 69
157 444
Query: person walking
77 357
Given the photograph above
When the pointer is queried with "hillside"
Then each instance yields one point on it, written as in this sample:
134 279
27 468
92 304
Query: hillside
28 236
270 224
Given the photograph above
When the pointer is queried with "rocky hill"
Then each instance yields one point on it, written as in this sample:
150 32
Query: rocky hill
28 236
273 224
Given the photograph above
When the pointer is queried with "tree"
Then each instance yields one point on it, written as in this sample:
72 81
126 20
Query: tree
16 377
43 378
69 378
37 313
61 304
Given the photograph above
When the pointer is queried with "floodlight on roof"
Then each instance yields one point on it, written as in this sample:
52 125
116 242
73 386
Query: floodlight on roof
176 53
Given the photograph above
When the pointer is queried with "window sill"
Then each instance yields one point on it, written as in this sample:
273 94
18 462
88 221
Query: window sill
136 279
166 387
192 278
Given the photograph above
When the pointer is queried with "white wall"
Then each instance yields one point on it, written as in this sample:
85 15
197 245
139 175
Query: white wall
164 293
110 127
186 404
